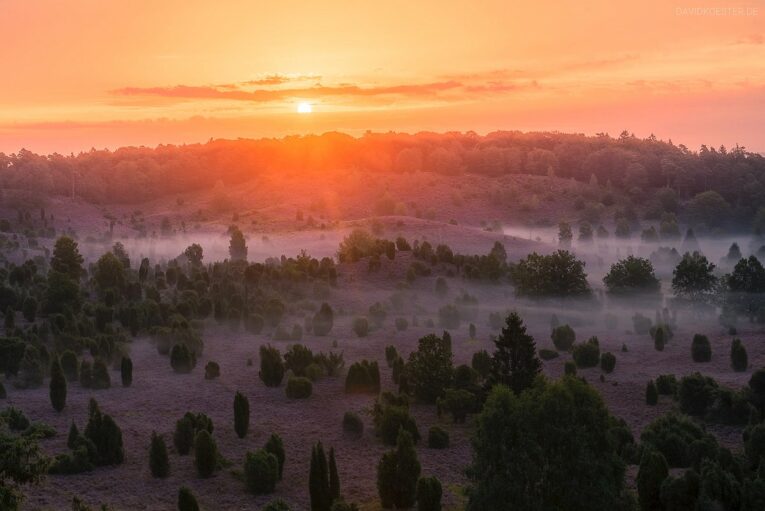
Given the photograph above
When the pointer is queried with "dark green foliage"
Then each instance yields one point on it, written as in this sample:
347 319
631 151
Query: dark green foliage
754 444
739 359
3 393
11 352
731 407
99 376
73 435
159 464
31 370
651 394
271 366
681 441
437 438
563 337
241 415
719 488
70 365
297 358
66 258
666 384
276 505
398 473
757 388
391 355
535 429
261 472
652 473
205 453
299 387
275 446
334 478
680 493
458 403
106 435
182 359
79 460
557 274
429 494
318 481
391 413
353 425
323 320
607 362
57 385
693 277
696 393
429 369
701 350
126 371
481 362
363 377
186 500
212 370
569 368
187 428
587 354
631 276
15 419
515 362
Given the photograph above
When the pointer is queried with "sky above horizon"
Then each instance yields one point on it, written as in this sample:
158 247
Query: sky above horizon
88 73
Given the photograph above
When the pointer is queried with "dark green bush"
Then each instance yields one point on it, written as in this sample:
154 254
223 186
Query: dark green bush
186 429
731 407
126 371
607 362
353 425
429 494
182 359
458 403
701 350
651 394
241 415
261 471
297 358
696 393
666 384
587 354
205 453
563 337
57 385
186 500
70 365
105 435
398 473
299 387
739 359
276 505
212 370
271 366
438 438
680 493
393 418
158 460
569 368
363 377
101 378
391 355
652 473
275 445
682 441
754 444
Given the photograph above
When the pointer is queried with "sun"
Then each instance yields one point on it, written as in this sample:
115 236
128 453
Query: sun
304 107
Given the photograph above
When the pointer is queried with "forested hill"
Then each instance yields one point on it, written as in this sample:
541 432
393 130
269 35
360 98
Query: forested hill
640 168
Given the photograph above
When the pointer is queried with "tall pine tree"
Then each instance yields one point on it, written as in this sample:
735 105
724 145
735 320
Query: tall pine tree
515 362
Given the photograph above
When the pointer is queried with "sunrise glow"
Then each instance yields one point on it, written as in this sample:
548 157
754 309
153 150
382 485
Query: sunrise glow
304 107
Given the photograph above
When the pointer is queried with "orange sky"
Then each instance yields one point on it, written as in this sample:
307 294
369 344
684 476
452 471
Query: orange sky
78 74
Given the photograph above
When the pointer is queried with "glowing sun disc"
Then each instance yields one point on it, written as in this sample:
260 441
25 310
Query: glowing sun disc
304 107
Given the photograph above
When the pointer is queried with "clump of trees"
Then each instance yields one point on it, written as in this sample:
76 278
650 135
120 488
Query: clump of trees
633 275
398 473
559 274
363 377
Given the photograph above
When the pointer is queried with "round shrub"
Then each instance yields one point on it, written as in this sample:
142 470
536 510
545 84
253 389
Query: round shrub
739 359
186 500
182 360
261 471
126 371
392 420
679 439
299 387
271 366
205 453
313 371
158 460
363 377
679 493
696 393
361 327
587 354
353 425
563 337
701 350
607 362
429 494
651 474
666 384
569 368
297 358
651 394
438 438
